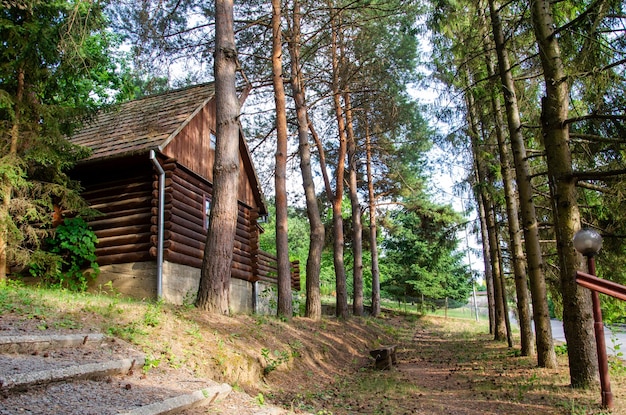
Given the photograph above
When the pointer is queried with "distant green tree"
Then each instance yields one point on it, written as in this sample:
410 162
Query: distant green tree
298 235
420 253
56 68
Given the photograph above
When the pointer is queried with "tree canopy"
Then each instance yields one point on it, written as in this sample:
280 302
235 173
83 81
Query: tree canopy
56 69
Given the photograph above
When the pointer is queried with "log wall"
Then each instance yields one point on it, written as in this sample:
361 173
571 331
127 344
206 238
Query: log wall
123 230
267 270
184 229
127 229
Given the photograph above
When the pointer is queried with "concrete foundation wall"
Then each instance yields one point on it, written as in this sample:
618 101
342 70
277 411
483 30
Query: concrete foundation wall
136 279
267 298
180 285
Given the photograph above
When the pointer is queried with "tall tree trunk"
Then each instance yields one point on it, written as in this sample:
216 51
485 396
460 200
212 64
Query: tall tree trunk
373 225
500 333
502 282
280 177
357 226
512 209
499 327
577 311
316 236
214 289
546 356
6 190
487 264
516 249
338 240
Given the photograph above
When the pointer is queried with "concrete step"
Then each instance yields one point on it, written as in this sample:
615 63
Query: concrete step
24 344
92 374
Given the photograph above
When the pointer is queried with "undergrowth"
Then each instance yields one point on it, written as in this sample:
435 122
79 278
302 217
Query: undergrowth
322 367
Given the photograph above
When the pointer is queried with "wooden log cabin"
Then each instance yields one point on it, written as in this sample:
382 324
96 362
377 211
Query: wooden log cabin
150 175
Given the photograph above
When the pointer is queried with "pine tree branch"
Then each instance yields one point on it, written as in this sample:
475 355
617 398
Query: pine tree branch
600 189
598 175
596 117
597 138
592 7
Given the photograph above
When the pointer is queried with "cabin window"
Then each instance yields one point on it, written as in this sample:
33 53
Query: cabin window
207 211
212 140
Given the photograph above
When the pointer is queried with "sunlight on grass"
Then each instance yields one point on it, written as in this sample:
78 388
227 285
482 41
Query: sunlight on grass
444 364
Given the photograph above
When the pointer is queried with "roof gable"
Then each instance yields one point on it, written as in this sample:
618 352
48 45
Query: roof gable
143 124
153 123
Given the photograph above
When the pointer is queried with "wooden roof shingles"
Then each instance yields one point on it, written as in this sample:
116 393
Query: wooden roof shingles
143 124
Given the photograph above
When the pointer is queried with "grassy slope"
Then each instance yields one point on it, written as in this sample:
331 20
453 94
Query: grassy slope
313 365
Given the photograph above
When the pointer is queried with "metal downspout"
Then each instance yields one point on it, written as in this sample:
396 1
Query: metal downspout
160 224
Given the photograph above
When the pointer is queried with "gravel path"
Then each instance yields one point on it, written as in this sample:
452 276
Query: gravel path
107 396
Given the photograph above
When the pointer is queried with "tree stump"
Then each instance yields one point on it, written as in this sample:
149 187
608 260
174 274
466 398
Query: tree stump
385 357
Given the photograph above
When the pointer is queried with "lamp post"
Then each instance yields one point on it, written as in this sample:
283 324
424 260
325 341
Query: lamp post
588 242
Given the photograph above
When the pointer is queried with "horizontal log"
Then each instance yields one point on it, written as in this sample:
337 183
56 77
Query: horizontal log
197 218
197 251
182 259
168 165
265 268
137 201
188 233
194 243
242 275
270 275
197 263
267 279
167 199
171 212
267 255
244 241
123 249
188 206
194 179
103 191
244 234
184 249
134 219
190 187
241 258
240 266
267 260
196 194
121 213
124 258
195 226
167 215
124 239
122 230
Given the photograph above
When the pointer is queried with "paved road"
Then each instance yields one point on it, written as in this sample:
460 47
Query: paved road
613 338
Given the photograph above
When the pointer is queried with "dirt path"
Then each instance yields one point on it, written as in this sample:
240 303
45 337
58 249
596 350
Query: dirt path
448 372
445 366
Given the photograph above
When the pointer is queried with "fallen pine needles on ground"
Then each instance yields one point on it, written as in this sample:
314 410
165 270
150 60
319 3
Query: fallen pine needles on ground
444 366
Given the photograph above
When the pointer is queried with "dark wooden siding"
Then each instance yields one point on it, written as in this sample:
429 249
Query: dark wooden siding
125 201
184 231
192 149
125 192
268 270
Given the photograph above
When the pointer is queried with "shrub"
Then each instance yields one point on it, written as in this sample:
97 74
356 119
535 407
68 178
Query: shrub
69 252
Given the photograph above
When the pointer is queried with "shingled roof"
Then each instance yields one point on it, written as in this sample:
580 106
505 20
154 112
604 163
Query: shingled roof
138 126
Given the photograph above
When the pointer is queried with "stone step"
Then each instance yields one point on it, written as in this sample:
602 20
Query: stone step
37 343
116 395
202 397
92 374
21 381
